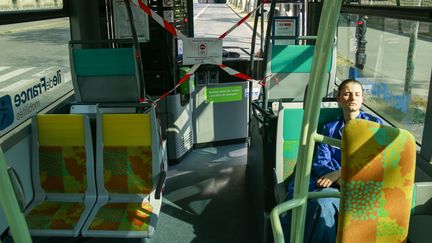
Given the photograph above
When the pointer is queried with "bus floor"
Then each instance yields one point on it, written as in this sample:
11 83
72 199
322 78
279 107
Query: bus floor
205 200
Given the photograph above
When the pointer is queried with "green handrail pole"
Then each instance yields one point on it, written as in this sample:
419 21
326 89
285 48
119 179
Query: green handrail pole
274 217
317 80
327 140
137 50
9 204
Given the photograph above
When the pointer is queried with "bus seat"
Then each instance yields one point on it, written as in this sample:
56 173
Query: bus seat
130 172
377 180
290 67
327 115
63 175
287 143
98 74
292 58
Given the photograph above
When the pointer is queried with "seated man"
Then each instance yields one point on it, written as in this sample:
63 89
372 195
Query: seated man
321 218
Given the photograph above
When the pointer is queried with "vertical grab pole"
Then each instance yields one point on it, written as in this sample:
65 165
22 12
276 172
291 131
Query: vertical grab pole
267 45
252 60
137 49
8 202
317 79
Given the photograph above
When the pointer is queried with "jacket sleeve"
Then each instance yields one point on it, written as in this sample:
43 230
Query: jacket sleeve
323 161
378 120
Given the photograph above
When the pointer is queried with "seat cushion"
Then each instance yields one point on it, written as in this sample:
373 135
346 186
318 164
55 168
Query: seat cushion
123 217
55 215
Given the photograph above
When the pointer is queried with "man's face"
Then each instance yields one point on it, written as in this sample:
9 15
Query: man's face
351 97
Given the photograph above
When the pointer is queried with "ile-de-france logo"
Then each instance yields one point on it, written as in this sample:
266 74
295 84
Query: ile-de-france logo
6 112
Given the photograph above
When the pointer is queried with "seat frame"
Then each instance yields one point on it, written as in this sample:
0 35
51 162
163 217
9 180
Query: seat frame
88 198
159 158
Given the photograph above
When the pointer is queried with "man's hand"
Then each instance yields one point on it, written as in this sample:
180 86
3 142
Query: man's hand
328 179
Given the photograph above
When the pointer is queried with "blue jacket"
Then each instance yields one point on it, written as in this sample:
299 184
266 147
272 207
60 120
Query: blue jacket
327 157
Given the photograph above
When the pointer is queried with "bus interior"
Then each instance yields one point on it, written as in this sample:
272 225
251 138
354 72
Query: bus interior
185 120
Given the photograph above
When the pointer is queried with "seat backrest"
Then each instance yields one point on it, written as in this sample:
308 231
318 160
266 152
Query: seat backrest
288 137
287 142
290 67
62 148
98 74
327 115
377 178
127 153
292 58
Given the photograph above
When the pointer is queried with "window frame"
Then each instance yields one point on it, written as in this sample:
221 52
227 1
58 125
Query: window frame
422 14
14 17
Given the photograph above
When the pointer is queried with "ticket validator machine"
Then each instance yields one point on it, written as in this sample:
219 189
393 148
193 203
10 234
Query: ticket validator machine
163 68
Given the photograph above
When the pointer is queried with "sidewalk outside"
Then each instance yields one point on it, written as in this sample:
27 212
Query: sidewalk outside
250 21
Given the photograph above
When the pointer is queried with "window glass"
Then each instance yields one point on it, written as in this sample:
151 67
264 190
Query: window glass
395 69
34 68
23 5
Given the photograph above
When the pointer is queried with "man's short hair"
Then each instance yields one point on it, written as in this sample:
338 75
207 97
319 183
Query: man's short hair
347 81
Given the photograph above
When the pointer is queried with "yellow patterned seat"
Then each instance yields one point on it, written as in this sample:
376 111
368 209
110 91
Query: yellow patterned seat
62 175
377 179
129 174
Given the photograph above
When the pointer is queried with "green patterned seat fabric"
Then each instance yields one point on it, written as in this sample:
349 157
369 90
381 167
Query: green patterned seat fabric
123 217
292 123
290 152
62 169
62 173
128 169
377 179
292 131
55 215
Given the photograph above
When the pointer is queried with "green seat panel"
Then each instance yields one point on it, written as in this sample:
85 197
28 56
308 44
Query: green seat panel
104 62
292 130
291 136
292 124
327 115
290 152
293 59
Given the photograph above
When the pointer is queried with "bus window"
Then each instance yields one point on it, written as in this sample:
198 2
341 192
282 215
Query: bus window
34 68
30 5
395 68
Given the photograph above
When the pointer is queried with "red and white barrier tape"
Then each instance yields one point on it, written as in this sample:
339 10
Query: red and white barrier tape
234 73
163 22
239 23
176 33
180 82
240 75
